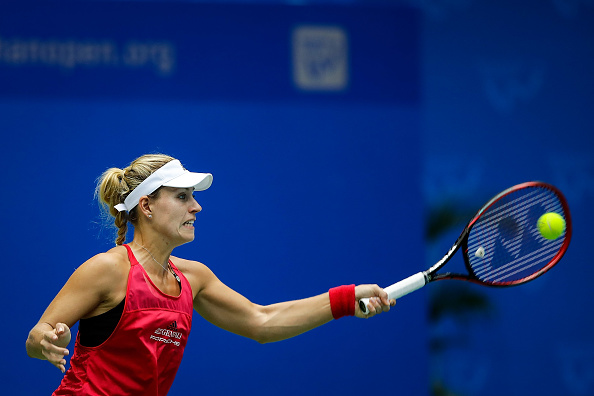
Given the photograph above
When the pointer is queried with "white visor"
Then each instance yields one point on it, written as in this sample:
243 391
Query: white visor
172 174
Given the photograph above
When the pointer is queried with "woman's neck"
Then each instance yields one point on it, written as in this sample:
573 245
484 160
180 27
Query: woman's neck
151 252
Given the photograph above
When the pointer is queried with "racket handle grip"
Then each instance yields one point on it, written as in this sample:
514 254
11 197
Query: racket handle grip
399 289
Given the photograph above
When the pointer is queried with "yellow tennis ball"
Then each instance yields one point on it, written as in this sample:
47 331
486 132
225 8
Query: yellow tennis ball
551 225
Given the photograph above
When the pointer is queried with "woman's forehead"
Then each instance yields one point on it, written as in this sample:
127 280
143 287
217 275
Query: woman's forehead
178 189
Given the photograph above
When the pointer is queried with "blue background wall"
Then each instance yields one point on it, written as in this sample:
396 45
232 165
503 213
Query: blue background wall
336 133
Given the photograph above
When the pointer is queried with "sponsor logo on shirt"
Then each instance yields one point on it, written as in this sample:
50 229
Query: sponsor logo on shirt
169 335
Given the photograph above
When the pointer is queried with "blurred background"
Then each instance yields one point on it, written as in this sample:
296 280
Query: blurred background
350 141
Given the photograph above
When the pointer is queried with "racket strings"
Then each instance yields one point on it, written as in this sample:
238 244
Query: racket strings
505 272
489 225
489 221
506 233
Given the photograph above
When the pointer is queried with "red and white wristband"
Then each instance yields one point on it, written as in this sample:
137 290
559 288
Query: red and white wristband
342 301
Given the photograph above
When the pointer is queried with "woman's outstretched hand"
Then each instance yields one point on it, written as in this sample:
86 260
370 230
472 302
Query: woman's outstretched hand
378 300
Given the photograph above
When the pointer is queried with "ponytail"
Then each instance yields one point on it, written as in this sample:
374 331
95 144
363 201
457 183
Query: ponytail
115 184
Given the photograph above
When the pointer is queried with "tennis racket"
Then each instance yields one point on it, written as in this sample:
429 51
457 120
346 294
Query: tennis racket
502 245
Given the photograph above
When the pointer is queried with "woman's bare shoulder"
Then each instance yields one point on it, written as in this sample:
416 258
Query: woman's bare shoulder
197 273
106 266
188 265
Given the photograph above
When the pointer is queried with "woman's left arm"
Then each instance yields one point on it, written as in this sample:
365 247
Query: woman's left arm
231 311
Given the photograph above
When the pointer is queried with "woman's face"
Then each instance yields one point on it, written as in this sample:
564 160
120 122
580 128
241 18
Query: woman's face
173 214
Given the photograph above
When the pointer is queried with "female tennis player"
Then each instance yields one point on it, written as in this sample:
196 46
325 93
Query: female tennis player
135 301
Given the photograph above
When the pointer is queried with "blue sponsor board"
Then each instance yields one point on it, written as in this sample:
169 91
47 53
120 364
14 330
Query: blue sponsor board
205 52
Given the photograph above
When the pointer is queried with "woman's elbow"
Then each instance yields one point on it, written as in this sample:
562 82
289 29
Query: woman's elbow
30 347
259 330
259 334
263 339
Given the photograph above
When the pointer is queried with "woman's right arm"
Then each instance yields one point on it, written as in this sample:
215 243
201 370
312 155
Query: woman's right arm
92 284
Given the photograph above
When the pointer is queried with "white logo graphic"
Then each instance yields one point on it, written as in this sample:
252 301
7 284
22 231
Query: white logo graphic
320 58
167 335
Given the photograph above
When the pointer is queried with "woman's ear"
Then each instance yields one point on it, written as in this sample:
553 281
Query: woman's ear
144 206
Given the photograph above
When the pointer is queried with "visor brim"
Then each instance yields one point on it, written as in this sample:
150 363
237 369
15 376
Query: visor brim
200 181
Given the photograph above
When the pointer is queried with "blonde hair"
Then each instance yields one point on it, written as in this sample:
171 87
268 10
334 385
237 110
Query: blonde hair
115 184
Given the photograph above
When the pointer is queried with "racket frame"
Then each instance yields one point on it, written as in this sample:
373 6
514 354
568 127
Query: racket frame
462 242
431 274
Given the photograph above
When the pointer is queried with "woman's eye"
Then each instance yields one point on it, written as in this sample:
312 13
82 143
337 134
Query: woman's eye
182 196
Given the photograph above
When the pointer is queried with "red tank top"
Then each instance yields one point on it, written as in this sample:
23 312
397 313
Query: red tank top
145 350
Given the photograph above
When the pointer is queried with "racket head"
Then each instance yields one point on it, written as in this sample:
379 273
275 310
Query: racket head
505 229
